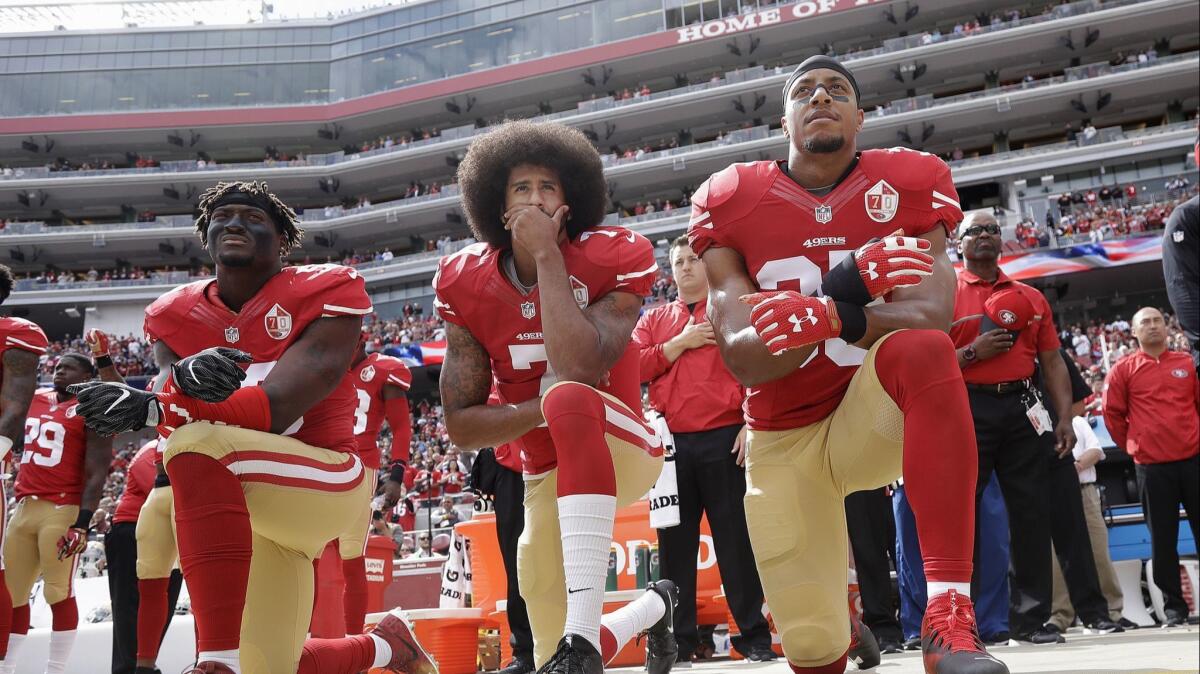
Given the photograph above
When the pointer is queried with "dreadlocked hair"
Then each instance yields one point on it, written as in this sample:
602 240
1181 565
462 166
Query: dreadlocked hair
483 176
282 214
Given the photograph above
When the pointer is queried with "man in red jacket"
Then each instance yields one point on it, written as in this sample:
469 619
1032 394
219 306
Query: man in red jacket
1152 410
702 404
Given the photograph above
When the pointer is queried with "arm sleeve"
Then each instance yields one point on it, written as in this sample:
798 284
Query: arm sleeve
1115 406
637 267
28 337
399 419
946 210
652 363
443 295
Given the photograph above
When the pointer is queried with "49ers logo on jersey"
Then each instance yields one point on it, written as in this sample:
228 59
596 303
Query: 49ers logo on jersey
882 200
367 374
278 322
580 291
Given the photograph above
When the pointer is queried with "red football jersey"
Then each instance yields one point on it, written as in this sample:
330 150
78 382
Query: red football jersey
18 333
368 380
789 238
473 292
192 318
139 480
55 451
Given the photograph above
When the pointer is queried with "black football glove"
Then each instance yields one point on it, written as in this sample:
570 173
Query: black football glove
211 375
110 408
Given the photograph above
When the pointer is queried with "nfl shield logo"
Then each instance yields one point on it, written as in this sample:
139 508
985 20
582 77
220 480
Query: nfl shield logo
528 310
882 200
580 291
278 322
1177 236
823 213
231 335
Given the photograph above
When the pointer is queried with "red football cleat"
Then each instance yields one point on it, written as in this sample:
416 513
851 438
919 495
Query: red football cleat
950 640
408 657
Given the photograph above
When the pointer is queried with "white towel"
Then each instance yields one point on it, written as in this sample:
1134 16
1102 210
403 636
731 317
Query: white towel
455 587
664 495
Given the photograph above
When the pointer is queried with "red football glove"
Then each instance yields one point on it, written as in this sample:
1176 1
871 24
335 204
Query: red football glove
98 342
72 543
787 320
893 262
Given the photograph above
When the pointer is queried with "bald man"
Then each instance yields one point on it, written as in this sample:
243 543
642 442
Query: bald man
1002 330
1152 410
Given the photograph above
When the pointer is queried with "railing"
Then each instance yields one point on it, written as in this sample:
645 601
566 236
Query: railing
599 104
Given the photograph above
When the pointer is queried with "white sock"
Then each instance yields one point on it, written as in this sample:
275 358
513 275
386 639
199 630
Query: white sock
628 621
383 652
14 648
933 589
231 659
61 642
586 522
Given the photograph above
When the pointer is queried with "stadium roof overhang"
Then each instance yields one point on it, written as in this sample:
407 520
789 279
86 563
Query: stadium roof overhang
1046 108
509 87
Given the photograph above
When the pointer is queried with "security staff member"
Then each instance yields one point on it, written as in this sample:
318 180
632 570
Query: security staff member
1152 410
120 553
701 402
1001 328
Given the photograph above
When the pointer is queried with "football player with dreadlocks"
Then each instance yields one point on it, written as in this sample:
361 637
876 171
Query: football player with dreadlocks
262 463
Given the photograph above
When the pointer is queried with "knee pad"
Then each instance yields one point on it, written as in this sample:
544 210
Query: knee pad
570 397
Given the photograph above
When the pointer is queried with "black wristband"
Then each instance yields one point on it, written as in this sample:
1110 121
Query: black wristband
103 362
84 521
844 284
854 321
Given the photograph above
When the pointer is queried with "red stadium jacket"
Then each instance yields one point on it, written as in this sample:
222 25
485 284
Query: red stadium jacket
139 480
1018 362
696 392
1152 406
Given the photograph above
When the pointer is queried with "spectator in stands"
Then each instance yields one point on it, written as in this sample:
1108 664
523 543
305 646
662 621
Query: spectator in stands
1166 455
446 516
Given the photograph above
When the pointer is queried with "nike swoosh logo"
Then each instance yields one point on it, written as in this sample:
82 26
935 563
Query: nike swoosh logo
124 395
573 591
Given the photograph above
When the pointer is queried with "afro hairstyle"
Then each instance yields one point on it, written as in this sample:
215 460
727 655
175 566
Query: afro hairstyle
483 176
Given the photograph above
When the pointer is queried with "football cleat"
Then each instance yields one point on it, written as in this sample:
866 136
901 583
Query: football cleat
864 650
661 649
408 657
518 665
575 655
950 642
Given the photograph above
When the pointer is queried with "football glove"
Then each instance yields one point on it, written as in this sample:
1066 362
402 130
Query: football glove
786 319
877 268
211 375
98 342
72 543
74 540
110 408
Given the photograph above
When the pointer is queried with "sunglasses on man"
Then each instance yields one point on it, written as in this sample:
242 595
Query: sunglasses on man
976 230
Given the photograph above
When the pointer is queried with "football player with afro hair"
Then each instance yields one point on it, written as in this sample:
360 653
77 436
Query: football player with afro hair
484 174
545 307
